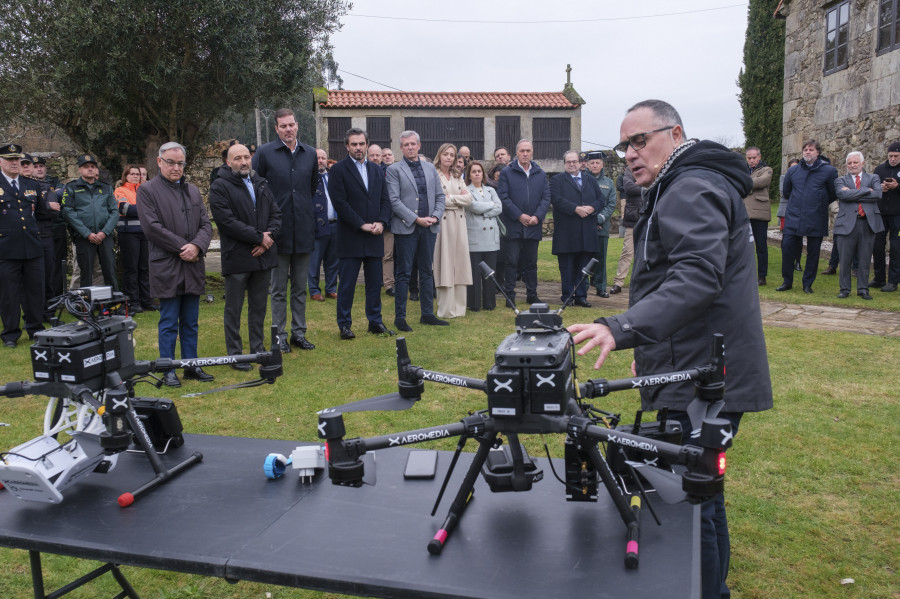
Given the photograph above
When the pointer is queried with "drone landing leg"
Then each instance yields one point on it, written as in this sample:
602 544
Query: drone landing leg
463 496
163 474
629 516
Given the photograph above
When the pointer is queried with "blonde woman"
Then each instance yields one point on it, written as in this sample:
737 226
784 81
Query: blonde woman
452 271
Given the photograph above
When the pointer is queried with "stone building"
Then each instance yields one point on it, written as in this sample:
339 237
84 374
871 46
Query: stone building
482 121
841 77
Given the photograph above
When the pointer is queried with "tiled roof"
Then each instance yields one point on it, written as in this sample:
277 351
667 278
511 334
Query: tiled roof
364 99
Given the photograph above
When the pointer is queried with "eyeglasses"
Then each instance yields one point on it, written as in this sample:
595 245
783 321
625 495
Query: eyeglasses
638 142
182 163
572 161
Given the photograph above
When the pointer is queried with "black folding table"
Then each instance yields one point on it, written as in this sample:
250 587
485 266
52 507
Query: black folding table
223 518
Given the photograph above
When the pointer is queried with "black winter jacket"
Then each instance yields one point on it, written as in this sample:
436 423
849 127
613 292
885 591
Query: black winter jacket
694 276
241 224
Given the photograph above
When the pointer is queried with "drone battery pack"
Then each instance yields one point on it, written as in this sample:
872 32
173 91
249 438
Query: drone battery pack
160 418
421 464
670 433
79 354
504 391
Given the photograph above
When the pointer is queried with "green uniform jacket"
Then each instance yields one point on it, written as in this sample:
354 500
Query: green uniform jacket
90 208
607 194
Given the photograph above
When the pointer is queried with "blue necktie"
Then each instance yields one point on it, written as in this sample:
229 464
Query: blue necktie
578 180
15 187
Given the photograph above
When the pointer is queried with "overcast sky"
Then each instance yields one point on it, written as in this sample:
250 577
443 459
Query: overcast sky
687 53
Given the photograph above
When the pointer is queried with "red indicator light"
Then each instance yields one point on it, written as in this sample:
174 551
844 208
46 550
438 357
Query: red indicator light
327 453
721 463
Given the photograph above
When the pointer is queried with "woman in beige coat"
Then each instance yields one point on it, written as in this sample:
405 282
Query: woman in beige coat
452 271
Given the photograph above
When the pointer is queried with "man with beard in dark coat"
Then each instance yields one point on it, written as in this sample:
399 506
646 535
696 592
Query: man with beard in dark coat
248 220
694 276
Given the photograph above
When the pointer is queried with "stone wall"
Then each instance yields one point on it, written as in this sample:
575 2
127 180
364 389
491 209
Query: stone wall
857 108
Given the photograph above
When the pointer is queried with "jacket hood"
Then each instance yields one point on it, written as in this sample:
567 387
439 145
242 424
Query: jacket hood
715 157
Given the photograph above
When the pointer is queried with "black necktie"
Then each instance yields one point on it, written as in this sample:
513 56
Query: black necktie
15 187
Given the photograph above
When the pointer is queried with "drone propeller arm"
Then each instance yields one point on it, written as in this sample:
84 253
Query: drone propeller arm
453 379
269 361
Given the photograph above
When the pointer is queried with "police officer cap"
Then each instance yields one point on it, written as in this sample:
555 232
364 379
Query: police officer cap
11 151
40 160
582 156
596 155
894 147
252 148
27 158
86 158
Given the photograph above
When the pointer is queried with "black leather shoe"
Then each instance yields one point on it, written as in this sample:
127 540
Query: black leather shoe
583 303
511 304
414 296
402 325
534 300
135 309
242 366
807 289
889 288
301 342
843 295
864 294
380 329
829 271
783 287
602 293
150 308
389 291
876 284
197 374
798 267
615 289
433 320
347 334
170 379
283 346
761 281
9 343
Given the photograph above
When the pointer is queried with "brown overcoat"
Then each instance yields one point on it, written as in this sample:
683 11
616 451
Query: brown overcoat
757 203
172 215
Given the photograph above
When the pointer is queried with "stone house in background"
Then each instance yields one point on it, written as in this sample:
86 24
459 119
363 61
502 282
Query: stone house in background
482 121
841 77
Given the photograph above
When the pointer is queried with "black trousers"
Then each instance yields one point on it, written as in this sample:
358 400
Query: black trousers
759 228
21 293
256 286
891 235
791 248
135 268
481 294
86 252
525 250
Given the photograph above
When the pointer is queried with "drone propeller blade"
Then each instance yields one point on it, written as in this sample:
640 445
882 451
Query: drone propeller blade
699 410
389 402
369 476
667 484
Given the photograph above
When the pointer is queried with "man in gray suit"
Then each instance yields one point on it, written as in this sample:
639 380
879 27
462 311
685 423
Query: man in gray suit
857 222
417 205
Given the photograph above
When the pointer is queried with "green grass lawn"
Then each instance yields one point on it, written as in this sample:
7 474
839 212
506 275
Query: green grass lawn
812 484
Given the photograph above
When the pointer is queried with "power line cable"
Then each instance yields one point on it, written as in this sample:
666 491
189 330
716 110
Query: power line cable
550 21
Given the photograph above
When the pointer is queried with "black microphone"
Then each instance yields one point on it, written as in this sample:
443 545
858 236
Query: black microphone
487 273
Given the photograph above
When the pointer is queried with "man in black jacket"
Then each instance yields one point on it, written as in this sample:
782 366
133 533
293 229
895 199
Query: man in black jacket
291 168
887 278
248 219
694 275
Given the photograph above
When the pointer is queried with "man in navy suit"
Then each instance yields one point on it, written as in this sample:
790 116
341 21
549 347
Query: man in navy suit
359 195
857 222
21 253
325 253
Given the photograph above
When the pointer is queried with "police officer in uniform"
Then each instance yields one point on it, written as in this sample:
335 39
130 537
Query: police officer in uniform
47 214
92 211
21 256
56 277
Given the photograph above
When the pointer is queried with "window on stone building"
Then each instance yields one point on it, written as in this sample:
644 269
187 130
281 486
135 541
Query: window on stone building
837 37
337 128
888 26
551 137
461 131
379 130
